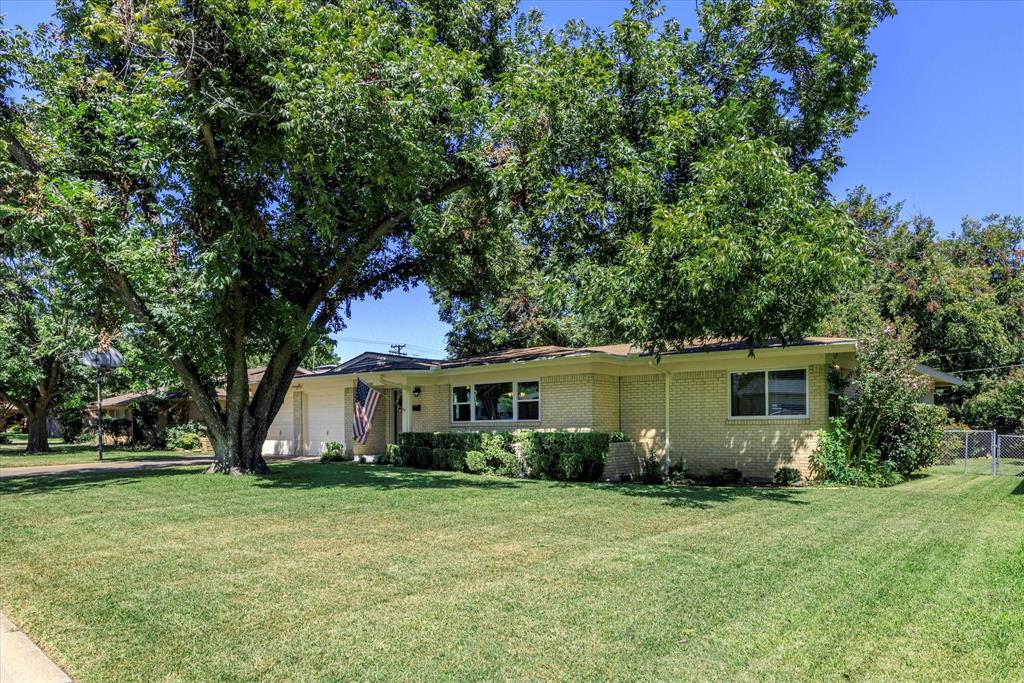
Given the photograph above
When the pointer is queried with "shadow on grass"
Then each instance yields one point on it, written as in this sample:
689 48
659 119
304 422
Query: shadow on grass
312 476
297 476
699 497
389 478
90 479
1019 491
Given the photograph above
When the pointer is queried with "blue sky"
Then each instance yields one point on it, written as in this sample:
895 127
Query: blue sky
945 132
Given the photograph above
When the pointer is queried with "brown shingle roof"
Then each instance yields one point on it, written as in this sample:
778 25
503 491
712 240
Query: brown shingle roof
622 350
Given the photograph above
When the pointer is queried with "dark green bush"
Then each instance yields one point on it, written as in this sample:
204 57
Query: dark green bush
584 454
578 456
832 461
913 438
448 459
787 476
5 438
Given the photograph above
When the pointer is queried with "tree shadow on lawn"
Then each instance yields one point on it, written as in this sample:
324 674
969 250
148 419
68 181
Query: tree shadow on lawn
297 476
389 478
310 476
48 483
698 497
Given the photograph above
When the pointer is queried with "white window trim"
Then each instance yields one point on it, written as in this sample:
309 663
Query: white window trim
766 416
472 403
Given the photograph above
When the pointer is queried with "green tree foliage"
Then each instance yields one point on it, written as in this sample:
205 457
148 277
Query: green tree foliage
656 155
999 405
44 326
236 173
963 293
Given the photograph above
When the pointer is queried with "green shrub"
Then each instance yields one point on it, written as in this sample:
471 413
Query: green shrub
999 406
913 439
5 438
787 476
392 455
185 437
448 459
476 462
727 476
584 454
832 461
884 433
332 452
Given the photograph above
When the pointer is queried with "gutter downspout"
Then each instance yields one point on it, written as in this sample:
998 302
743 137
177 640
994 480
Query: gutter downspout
667 458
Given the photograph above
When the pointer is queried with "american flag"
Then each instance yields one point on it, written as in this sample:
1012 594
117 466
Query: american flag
366 402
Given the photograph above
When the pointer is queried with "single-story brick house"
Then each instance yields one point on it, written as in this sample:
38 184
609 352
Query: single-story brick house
705 407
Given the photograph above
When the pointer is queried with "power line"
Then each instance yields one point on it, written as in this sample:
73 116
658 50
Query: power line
382 342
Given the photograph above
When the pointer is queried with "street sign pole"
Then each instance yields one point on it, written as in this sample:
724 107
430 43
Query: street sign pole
108 359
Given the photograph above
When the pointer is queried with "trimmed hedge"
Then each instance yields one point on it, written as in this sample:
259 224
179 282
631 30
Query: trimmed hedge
563 456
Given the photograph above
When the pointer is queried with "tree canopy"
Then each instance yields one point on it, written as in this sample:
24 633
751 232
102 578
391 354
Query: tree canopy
675 186
235 173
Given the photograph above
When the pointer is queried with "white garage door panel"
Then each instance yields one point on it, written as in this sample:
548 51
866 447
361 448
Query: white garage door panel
326 418
281 432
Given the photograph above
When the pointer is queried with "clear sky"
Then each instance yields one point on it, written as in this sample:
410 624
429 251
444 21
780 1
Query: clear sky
945 132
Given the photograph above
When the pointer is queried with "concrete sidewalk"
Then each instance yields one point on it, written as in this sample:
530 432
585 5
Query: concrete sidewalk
21 660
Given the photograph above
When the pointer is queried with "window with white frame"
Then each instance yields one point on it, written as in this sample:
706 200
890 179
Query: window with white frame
768 393
496 401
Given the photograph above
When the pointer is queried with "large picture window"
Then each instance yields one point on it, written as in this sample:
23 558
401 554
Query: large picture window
768 393
496 401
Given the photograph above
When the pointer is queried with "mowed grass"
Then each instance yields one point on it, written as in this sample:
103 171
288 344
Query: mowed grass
14 455
348 572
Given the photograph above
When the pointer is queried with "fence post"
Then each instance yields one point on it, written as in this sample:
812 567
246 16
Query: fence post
995 454
967 441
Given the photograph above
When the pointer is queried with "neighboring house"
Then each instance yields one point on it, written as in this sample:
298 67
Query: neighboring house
705 407
171 408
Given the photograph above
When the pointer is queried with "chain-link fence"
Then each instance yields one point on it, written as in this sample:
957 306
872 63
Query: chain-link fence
975 451
1010 454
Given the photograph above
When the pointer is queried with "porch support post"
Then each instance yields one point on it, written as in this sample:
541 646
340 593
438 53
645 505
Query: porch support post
667 456
406 410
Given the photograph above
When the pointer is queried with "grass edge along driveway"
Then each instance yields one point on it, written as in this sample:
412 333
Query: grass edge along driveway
346 572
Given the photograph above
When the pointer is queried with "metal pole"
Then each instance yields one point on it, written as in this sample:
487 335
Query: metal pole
99 428
967 440
995 454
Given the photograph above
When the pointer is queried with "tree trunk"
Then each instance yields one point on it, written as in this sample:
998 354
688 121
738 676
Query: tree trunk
38 441
241 452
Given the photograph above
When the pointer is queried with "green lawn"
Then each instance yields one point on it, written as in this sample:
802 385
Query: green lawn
14 455
347 572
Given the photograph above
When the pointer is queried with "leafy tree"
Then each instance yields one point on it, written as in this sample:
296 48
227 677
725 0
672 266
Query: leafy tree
634 133
237 172
999 406
43 330
963 293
